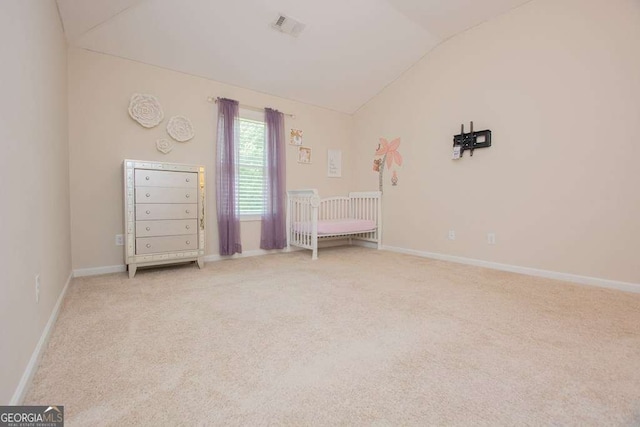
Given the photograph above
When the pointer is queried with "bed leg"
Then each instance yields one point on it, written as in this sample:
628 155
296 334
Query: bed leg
314 255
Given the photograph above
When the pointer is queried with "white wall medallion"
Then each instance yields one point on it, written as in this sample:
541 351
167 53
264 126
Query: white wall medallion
180 128
164 145
146 110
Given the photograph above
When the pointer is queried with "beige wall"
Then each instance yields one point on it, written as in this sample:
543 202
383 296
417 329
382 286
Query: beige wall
101 135
34 222
558 83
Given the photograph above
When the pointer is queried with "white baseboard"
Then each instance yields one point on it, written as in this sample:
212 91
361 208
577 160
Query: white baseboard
32 366
96 271
246 254
574 278
365 244
567 277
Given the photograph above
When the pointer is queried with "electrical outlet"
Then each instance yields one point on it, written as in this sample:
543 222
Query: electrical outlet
37 288
452 235
491 238
119 240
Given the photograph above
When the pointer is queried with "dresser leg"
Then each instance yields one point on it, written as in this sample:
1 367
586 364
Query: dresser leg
132 270
200 262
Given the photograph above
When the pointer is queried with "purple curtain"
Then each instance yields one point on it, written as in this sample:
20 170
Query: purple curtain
226 173
273 235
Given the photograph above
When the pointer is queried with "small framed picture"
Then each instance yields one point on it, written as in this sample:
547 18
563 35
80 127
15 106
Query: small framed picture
296 137
334 163
304 155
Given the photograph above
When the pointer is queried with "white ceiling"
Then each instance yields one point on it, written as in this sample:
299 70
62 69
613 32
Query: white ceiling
348 52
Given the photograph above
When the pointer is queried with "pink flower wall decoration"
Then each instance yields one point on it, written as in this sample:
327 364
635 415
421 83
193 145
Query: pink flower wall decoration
390 151
387 154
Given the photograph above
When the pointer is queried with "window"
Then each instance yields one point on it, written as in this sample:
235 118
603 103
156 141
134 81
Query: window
251 174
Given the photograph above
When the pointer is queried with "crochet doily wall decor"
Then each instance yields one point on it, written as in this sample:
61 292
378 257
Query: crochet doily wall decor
164 145
145 109
180 128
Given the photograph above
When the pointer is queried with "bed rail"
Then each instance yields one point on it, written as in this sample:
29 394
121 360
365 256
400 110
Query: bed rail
302 210
368 205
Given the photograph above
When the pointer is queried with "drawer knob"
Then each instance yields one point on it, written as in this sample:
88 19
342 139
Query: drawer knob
148 228
187 227
148 245
188 180
187 196
187 211
188 242
148 212
148 195
147 178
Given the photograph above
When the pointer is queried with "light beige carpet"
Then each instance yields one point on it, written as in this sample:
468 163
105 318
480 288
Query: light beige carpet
359 337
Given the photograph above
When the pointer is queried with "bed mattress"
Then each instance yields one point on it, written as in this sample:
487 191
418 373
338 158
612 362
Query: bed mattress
337 226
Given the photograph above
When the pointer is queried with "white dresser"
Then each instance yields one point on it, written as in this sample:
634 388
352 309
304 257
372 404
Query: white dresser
164 213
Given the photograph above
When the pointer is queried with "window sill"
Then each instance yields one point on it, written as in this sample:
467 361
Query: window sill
244 218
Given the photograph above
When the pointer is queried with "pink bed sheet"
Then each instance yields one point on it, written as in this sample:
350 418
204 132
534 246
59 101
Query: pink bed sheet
338 226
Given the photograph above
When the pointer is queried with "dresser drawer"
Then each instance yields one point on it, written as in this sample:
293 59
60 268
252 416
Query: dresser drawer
152 245
172 227
166 195
166 211
152 178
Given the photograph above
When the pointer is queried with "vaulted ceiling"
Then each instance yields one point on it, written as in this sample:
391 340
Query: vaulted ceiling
348 51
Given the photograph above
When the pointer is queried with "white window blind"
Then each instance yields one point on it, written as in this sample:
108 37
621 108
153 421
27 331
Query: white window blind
251 175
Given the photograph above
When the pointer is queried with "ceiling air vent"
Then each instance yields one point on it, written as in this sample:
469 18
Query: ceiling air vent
288 25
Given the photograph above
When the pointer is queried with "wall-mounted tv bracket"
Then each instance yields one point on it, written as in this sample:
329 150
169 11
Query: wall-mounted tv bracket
472 140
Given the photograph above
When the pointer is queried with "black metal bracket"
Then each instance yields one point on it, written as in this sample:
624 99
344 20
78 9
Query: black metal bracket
472 140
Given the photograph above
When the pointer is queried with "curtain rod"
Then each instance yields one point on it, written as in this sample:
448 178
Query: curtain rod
214 100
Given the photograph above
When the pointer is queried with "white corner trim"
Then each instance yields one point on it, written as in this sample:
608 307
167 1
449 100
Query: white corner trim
32 366
567 277
96 271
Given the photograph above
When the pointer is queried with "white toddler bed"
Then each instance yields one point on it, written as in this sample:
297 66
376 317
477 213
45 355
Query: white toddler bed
310 218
